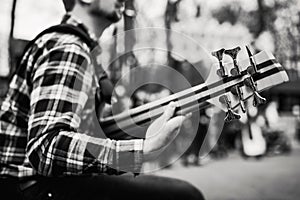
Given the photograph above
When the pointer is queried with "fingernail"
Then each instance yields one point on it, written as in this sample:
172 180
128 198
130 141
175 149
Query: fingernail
188 115
171 105
114 100
174 104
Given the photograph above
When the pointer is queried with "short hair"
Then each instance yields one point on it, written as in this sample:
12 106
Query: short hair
69 4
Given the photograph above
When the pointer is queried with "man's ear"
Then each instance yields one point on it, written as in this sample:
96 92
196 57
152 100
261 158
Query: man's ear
69 4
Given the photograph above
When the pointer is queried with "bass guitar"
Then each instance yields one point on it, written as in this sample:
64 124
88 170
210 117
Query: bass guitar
229 86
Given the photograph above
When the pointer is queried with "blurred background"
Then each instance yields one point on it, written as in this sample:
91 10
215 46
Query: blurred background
224 167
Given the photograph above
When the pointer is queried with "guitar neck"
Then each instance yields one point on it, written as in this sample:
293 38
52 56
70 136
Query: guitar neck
189 100
270 73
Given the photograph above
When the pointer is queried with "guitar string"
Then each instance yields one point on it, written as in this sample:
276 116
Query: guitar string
175 97
190 102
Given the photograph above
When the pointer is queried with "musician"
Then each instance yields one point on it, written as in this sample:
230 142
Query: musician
43 155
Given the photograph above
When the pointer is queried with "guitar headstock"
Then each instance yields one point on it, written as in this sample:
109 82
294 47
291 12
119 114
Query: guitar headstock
233 84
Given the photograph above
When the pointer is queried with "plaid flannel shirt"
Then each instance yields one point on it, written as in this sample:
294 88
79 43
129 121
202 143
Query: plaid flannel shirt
50 99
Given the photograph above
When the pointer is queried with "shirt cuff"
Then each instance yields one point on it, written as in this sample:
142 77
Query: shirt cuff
129 155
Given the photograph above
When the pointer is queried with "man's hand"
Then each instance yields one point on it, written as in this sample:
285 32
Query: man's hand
163 131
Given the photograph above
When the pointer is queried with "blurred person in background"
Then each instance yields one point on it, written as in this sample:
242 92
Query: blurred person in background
278 141
43 153
296 113
191 156
4 43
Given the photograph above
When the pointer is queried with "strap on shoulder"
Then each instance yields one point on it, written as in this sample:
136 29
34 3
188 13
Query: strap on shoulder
105 84
66 29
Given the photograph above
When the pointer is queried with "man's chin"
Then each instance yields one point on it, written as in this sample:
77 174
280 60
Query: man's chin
112 17
115 17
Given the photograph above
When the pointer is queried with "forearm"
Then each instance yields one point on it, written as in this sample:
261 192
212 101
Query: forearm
69 152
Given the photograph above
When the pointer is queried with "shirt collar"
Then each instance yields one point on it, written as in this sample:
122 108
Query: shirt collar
72 20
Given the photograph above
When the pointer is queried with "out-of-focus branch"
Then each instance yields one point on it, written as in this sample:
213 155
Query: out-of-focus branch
6 11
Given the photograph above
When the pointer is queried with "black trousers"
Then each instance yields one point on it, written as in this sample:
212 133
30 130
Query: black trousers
100 187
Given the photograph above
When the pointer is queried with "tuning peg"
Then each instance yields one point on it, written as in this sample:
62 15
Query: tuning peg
233 54
252 69
219 55
230 115
236 91
258 99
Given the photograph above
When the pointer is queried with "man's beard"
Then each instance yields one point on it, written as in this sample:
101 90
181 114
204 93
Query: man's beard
112 17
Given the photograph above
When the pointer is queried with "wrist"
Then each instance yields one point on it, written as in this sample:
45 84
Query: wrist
149 152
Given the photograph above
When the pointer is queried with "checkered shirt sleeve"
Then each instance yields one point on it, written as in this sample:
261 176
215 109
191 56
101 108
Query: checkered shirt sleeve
61 81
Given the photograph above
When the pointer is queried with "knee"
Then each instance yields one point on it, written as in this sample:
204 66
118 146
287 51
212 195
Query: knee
188 191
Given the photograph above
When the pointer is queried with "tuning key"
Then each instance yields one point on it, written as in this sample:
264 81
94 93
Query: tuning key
230 115
249 82
233 53
219 55
252 69
258 99
237 91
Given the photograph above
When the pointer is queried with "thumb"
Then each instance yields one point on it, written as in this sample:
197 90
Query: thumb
175 123
169 112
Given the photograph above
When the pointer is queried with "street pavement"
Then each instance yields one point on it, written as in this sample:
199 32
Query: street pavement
234 178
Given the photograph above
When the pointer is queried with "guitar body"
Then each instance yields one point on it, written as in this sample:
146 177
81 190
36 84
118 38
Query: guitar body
253 142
